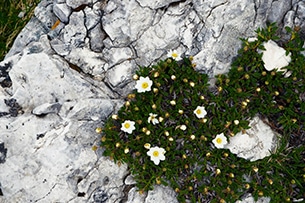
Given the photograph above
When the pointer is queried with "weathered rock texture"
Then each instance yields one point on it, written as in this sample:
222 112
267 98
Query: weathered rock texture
70 68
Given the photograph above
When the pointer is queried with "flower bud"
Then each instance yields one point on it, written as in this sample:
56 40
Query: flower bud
135 77
173 102
155 90
98 130
131 96
127 103
126 150
147 132
183 127
192 84
236 122
154 106
156 74
115 117
173 77
147 146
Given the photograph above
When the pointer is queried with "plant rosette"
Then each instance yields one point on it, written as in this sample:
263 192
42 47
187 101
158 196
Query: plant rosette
174 127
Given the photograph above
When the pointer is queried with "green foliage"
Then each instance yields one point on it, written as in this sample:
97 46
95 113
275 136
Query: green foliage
194 167
10 23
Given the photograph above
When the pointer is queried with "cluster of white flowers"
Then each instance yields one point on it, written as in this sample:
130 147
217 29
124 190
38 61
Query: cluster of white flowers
156 154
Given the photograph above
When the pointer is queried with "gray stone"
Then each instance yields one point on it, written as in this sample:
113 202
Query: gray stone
92 18
62 11
30 33
3 152
96 37
156 4
119 78
46 109
77 3
125 21
278 11
44 13
161 194
75 32
135 196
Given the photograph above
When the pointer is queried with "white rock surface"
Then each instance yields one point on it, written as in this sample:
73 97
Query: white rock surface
256 143
62 83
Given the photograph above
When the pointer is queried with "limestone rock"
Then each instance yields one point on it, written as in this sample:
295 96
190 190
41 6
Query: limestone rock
62 11
156 4
77 3
256 143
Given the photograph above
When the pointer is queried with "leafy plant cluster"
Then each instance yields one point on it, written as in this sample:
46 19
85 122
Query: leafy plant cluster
165 116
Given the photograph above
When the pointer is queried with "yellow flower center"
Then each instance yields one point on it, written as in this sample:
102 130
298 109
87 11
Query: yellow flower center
219 140
144 85
174 55
155 153
126 125
198 111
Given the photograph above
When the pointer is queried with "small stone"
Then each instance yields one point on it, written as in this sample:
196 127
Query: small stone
3 152
62 11
46 109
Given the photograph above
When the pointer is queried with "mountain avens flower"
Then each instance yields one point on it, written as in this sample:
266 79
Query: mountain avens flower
219 141
174 54
200 112
128 126
153 119
156 154
143 84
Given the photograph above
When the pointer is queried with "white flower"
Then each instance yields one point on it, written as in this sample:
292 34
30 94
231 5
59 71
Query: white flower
156 154
200 112
274 57
128 126
174 54
152 118
143 84
220 140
